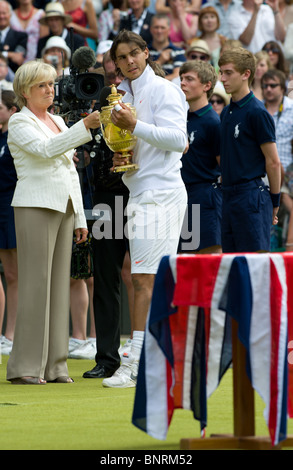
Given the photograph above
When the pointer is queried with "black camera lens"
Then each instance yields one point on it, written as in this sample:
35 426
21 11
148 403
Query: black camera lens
88 86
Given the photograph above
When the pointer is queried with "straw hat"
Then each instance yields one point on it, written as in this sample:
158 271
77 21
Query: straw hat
199 45
55 9
220 91
57 41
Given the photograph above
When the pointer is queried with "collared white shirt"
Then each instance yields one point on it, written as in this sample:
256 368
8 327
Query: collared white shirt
161 132
264 28
4 33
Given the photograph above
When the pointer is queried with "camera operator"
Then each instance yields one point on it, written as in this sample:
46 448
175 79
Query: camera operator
48 206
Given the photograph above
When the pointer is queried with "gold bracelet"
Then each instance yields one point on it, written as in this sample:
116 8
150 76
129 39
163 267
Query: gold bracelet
289 244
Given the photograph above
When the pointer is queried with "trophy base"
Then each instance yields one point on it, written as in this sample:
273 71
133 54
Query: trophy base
125 168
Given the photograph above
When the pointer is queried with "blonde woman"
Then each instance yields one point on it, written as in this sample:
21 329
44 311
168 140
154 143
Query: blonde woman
263 64
48 207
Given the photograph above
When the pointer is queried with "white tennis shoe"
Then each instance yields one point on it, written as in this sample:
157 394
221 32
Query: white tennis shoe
126 375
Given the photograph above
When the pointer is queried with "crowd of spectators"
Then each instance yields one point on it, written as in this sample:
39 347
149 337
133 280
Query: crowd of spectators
26 26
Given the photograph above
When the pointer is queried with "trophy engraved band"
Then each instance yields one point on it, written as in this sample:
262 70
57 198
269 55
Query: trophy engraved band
118 140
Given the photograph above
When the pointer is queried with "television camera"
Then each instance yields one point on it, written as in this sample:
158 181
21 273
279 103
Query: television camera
75 94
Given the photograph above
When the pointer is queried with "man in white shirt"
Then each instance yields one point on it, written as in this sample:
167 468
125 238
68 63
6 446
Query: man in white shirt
158 199
255 23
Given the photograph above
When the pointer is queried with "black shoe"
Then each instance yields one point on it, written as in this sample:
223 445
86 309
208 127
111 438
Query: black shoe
99 372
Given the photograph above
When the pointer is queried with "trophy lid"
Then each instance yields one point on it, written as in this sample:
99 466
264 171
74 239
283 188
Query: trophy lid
114 97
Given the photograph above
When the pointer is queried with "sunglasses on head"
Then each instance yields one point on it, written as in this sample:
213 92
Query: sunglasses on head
271 85
272 49
218 101
198 57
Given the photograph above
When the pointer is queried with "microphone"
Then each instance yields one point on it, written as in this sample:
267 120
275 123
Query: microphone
83 58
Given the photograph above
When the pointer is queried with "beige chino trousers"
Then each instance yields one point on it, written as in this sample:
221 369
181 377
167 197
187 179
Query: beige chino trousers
44 246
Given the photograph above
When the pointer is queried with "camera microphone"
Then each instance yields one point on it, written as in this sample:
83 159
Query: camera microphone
83 58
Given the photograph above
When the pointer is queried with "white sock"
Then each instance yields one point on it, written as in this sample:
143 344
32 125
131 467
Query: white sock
136 343
79 341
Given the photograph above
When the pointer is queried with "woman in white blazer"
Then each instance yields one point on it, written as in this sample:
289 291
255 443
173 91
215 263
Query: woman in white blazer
48 208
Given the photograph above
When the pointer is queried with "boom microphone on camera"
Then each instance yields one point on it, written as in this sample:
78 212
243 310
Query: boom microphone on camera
83 58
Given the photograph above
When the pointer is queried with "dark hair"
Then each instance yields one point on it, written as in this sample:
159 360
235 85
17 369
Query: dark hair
8 98
282 63
126 36
275 74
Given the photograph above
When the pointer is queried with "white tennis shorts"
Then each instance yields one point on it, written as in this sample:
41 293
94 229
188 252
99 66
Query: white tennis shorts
154 224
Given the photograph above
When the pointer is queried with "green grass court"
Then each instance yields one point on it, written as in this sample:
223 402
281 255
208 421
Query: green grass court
86 416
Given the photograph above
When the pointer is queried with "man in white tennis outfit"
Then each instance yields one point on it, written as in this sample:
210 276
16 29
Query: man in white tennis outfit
158 199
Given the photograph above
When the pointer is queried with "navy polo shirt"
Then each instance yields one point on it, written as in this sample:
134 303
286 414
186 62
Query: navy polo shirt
199 164
245 126
8 176
177 57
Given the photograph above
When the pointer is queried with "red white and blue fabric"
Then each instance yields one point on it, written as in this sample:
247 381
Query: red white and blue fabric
187 346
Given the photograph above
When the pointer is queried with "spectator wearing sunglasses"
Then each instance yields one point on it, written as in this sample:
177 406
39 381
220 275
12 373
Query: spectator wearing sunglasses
198 50
219 99
255 23
276 56
280 108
